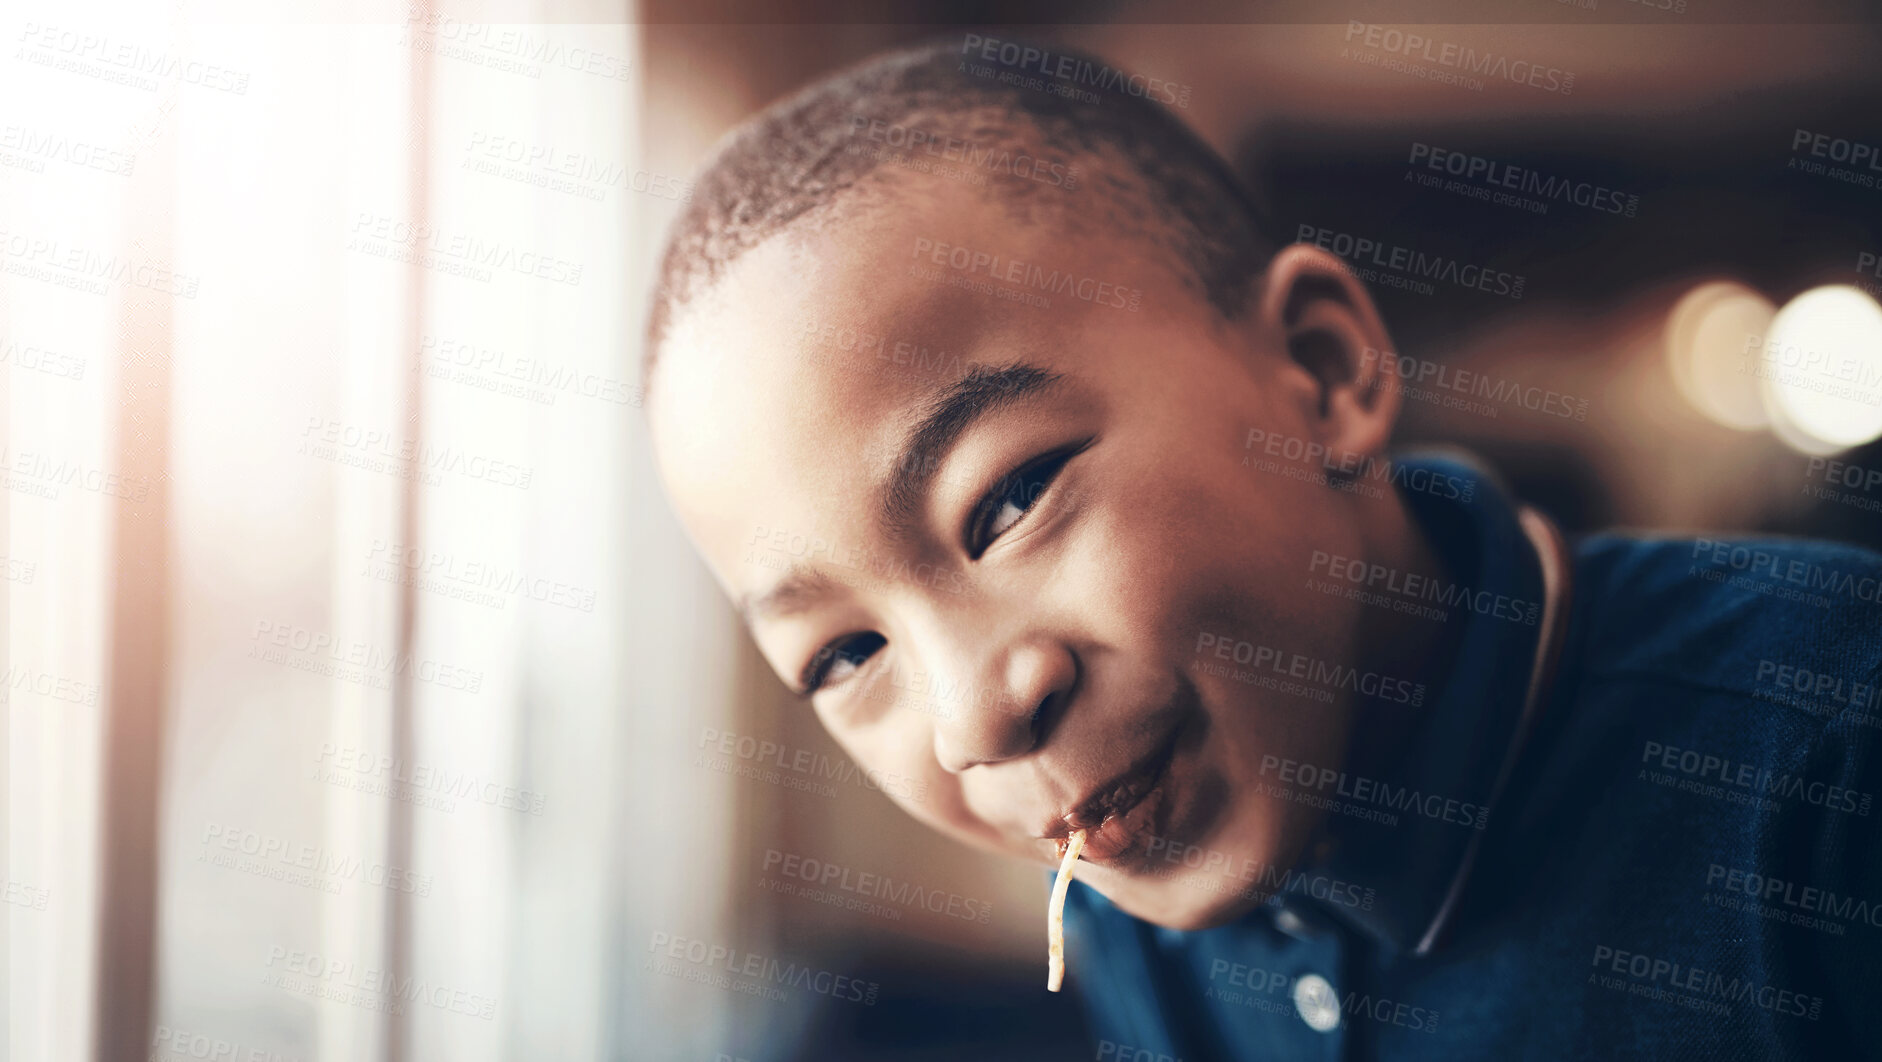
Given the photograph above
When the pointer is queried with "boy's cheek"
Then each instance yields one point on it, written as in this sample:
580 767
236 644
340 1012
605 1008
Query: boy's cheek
894 757
945 811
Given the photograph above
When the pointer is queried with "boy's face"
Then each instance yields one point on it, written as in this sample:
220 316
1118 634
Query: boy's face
1002 588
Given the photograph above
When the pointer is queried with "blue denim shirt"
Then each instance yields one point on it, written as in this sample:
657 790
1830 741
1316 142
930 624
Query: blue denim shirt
1675 854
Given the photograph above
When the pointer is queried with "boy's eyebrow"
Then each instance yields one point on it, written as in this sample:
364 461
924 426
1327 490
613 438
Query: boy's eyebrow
980 392
801 585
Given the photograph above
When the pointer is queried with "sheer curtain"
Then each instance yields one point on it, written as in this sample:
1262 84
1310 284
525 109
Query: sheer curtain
340 607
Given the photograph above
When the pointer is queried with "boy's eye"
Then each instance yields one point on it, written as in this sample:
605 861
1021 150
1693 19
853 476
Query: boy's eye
1011 498
839 660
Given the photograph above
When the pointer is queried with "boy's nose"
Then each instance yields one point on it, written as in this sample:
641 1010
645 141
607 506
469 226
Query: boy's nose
1027 685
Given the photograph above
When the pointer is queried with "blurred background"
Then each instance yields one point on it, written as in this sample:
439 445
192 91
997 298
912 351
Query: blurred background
363 700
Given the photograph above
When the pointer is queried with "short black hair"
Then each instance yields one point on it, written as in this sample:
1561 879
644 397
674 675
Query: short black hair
1137 167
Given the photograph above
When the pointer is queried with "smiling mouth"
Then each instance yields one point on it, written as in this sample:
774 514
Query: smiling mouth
1117 815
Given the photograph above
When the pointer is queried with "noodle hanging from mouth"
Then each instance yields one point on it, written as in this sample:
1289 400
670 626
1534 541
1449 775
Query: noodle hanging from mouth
1055 915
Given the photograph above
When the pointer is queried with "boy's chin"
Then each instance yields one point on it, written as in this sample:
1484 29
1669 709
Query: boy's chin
1175 903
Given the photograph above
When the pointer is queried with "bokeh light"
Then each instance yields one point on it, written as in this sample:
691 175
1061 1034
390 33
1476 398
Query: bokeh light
1706 338
1820 369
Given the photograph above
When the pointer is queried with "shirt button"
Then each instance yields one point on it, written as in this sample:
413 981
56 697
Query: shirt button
1292 924
1316 1004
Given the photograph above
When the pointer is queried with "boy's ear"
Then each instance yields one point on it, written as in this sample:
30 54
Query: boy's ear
1334 334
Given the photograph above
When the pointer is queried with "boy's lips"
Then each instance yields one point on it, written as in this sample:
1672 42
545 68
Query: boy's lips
1118 812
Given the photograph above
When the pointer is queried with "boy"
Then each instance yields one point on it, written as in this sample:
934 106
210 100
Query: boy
1372 764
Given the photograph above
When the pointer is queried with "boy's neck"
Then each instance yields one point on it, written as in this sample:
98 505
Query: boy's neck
1401 646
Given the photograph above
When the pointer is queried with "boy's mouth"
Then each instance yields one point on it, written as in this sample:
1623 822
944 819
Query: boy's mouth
1121 812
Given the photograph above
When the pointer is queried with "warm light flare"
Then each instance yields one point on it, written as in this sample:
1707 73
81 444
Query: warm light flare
1705 348
1820 366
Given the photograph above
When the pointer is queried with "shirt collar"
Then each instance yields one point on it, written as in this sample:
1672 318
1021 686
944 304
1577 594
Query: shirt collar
1441 792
